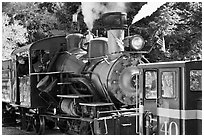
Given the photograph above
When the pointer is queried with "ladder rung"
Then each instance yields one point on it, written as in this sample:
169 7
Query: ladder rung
74 96
65 83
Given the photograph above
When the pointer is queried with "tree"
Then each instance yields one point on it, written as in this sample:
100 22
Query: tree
13 35
39 19
65 16
181 26
186 38
179 23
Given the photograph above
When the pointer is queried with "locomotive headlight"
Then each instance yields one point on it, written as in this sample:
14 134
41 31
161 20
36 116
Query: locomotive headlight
137 42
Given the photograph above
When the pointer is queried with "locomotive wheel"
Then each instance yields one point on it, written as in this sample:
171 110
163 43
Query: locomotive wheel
50 124
28 125
63 126
85 128
26 121
39 124
8 114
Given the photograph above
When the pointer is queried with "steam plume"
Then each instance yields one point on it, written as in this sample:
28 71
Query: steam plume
147 10
93 10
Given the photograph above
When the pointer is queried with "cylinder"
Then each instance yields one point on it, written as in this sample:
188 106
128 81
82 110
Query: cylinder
73 41
67 106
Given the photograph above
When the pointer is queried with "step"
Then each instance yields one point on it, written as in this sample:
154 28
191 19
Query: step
74 96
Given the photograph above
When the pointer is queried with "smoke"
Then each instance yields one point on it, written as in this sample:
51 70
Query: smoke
93 10
147 10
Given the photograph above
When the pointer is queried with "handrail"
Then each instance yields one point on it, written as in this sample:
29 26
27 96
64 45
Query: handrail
49 73
122 110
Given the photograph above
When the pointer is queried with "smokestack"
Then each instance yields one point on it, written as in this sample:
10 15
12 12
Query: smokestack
93 10
115 23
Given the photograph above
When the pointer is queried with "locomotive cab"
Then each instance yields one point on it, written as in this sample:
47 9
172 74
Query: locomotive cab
38 57
171 93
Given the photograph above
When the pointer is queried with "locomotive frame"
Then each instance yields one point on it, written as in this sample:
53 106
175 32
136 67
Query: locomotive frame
34 110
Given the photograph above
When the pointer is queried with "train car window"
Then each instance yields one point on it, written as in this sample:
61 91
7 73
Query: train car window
168 84
40 60
151 84
196 80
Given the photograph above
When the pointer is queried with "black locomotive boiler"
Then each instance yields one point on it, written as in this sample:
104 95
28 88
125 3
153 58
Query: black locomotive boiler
94 87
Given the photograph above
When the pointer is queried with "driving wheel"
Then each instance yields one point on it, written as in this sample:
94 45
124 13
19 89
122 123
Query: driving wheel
39 124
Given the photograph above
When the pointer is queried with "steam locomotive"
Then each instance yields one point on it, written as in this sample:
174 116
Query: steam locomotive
104 86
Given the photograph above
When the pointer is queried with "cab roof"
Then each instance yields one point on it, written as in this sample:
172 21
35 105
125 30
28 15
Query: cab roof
51 43
171 64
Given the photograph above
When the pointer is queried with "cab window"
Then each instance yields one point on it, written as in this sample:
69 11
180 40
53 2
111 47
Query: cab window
151 84
168 84
196 80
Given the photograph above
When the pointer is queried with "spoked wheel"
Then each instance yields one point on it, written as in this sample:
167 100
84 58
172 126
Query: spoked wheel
39 124
85 128
8 114
63 125
26 121
50 124
28 125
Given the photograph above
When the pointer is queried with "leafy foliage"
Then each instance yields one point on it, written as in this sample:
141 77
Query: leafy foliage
35 17
65 15
14 34
180 23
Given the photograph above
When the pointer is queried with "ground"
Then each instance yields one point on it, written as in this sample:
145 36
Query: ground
12 130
